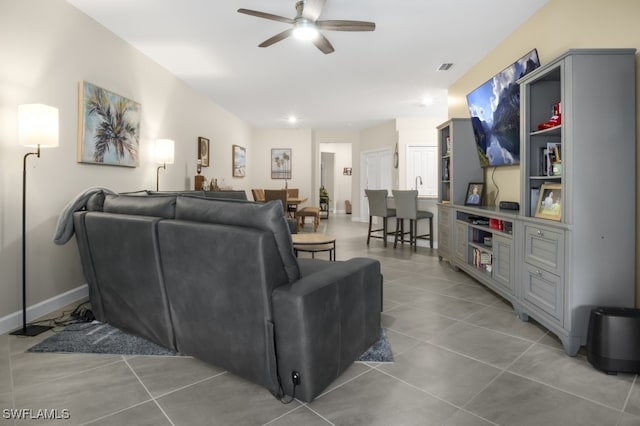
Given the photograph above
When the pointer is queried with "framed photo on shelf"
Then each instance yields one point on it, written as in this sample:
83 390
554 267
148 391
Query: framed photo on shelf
550 202
239 160
203 151
474 194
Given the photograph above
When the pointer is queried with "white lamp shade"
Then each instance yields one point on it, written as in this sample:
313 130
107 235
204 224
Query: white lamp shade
38 125
164 151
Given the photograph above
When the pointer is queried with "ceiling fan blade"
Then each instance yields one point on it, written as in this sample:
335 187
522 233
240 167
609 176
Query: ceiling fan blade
323 44
339 25
276 38
312 9
266 16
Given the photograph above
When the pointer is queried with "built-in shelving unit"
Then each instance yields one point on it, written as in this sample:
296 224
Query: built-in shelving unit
484 246
578 250
457 166
571 246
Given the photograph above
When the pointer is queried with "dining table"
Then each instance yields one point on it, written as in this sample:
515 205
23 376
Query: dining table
294 202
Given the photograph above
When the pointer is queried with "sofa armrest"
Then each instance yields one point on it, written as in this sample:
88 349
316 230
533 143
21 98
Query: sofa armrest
325 321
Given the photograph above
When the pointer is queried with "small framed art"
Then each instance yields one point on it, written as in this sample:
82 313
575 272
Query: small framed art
203 151
550 202
474 194
281 163
239 161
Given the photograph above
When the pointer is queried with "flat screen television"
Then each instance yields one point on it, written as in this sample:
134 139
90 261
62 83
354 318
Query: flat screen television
494 108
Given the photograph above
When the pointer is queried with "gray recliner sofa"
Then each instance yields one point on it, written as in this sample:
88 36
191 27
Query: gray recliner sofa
218 280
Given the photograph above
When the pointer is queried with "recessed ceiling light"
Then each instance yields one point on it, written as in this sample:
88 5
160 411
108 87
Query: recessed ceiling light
293 119
445 66
427 100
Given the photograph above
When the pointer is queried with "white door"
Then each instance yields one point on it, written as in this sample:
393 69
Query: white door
377 173
422 162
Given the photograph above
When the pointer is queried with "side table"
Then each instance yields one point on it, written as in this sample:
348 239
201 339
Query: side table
313 243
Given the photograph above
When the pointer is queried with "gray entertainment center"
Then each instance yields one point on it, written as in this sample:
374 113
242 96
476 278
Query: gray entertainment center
571 245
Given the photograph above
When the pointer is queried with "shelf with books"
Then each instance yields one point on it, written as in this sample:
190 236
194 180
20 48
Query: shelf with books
542 149
458 164
484 237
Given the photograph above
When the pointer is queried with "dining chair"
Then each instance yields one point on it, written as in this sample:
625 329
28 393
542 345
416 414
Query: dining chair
277 194
407 208
378 207
258 195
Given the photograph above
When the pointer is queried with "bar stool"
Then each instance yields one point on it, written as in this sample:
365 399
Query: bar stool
378 207
407 208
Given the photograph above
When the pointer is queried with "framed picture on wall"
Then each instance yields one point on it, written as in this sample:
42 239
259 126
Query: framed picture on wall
108 127
281 163
239 161
203 151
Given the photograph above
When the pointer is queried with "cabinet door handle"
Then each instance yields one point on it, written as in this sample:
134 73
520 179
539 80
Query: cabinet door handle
540 233
538 272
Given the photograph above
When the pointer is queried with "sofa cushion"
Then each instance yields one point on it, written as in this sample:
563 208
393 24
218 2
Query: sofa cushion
152 205
264 216
226 194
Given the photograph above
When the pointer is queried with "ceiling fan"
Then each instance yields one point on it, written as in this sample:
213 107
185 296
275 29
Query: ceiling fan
306 25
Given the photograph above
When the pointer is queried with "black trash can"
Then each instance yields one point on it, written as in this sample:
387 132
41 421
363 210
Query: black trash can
613 340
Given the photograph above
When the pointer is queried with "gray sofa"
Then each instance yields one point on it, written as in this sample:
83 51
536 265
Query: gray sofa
218 280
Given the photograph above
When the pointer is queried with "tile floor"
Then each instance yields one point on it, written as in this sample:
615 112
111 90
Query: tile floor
462 357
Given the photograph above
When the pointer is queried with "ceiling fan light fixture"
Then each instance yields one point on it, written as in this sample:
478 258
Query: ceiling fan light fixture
305 30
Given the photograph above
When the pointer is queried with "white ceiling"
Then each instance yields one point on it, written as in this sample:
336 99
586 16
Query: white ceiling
371 76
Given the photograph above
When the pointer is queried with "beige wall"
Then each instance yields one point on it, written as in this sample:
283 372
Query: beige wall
557 27
259 158
46 48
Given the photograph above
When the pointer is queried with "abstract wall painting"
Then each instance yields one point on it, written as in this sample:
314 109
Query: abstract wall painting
108 127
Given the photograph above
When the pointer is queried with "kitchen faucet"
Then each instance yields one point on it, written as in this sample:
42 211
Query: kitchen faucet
418 178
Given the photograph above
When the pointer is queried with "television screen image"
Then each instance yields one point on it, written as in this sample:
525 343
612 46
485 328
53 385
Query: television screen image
494 108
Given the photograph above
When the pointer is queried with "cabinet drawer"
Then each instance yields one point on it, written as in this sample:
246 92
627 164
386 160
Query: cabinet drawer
544 290
544 248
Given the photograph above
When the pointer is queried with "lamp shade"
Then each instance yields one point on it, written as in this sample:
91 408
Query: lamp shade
38 125
164 151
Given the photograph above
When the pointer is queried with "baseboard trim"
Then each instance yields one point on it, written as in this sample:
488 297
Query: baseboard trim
13 321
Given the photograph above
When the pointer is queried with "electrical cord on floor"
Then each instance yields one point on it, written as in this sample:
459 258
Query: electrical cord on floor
295 380
80 314
495 199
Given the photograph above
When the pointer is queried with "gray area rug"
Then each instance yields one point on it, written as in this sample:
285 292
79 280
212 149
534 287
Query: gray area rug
380 351
99 338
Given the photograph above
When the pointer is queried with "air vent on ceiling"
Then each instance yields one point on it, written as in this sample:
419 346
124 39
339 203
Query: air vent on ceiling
444 66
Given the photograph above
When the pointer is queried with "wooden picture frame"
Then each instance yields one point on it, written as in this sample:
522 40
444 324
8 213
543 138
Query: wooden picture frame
281 163
108 127
203 151
474 194
550 202
239 161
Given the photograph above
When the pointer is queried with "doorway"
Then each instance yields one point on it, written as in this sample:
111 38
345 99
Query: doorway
327 172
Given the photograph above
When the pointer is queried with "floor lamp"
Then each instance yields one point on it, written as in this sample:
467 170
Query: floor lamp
37 127
164 155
